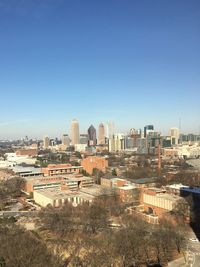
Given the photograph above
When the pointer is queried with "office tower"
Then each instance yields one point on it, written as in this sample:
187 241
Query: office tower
141 145
129 142
46 142
75 132
92 137
174 133
148 128
52 142
101 139
135 134
110 129
166 141
83 139
116 142
65 140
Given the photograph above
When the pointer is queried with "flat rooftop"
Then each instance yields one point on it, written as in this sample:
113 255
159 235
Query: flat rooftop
21 169
96 190
144 180
56 193
127 187
162 195
176 186
58 178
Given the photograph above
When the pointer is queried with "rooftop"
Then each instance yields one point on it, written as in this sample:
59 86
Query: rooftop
176 186
57 193
58 178
96 190
144 180
127 187
191 189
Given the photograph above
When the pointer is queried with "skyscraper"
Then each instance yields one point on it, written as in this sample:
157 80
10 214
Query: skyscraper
116 142
74 132
65 140
46 142
110 129
101 138
148 128
92 137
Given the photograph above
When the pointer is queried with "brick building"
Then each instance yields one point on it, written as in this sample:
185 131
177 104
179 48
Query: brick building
27 152
157 202
122 187
59 169
94 162
71 182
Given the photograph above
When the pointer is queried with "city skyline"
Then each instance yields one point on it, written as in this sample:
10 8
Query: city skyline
74 129
134 63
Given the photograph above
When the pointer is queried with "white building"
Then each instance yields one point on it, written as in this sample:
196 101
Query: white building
80 147
12 159
117 142
174 133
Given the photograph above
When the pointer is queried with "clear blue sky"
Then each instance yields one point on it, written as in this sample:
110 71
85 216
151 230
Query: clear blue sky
134 62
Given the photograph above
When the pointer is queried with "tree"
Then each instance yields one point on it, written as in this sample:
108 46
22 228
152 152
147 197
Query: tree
57 221
94 217
97 175
114 172
21 248
13 186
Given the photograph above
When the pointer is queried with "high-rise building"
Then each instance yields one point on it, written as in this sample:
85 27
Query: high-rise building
83 139
46 142
101 139
110 129
141 145
75 132
65 140
148 128
129 142
92 136
117 142
174 133
135 134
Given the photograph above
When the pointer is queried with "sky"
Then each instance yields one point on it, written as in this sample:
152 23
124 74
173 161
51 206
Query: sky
133 62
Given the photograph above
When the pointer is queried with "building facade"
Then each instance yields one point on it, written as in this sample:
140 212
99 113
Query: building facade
75 138
93 162
101 137
92 136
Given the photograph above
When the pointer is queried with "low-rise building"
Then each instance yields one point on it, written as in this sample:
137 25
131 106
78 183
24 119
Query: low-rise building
157 202
71 182
60 169
57 197
60 195
27 152
175 188
144 182
122 187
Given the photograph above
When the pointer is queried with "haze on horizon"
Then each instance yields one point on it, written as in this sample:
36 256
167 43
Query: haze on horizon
131 62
